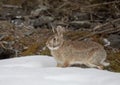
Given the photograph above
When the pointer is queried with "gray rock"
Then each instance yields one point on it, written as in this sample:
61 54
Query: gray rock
43 20
114 41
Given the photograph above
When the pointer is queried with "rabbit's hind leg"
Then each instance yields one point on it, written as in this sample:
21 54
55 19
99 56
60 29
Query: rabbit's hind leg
94 66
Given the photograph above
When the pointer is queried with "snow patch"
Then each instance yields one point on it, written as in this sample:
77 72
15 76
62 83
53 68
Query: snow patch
29 61
42 70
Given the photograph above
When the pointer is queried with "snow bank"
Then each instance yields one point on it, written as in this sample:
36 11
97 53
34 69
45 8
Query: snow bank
41 70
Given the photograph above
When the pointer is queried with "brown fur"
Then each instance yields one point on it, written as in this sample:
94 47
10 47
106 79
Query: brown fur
70 52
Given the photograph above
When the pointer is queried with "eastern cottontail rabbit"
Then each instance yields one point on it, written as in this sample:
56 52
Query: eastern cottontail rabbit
68 52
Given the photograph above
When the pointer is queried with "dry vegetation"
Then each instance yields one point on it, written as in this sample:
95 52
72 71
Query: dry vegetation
95 19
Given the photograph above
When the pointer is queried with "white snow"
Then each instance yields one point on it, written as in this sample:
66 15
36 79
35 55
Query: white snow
42 70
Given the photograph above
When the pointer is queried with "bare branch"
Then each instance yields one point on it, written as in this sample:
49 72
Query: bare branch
106 24
11 6
107 31
105 3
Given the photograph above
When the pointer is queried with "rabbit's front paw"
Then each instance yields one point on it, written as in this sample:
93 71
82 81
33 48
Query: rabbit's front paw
65 64
59 65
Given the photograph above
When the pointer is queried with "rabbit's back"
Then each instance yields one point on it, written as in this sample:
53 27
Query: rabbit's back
83 45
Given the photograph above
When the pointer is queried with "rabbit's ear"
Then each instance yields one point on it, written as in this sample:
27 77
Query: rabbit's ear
60 30
53 29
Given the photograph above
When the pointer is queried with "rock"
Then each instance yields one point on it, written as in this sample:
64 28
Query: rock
18 21
106 42
9 13
114 41
43 20
6 53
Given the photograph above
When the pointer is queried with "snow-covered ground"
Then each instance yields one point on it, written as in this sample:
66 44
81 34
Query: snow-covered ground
41 70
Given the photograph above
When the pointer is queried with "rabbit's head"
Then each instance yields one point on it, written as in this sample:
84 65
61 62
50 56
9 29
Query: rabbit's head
56 41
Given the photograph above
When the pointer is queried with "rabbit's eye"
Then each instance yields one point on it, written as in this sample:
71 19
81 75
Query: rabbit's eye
54 39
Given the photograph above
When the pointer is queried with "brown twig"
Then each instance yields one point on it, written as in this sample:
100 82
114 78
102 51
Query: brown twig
114 31
106 24
105 3
117 60
61 6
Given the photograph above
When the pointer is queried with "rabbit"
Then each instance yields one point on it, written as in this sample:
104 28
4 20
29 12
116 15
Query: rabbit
68 52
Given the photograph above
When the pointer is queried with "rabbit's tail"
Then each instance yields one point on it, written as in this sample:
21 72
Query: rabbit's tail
105 64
